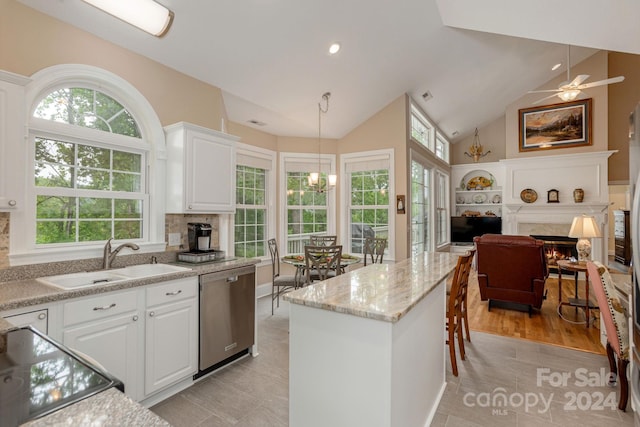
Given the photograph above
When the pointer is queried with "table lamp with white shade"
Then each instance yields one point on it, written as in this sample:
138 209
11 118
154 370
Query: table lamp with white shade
584 228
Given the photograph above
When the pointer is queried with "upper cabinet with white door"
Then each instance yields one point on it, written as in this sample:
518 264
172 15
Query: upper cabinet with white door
12 140
201 170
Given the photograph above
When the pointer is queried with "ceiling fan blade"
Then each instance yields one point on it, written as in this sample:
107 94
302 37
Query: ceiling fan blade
602 82
578 80
544 99
545 90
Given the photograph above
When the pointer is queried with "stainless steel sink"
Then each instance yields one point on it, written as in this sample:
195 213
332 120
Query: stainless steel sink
103 277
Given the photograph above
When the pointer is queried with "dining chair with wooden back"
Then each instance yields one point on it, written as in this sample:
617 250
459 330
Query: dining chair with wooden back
322 262
279 283
374 249
323 240
456 308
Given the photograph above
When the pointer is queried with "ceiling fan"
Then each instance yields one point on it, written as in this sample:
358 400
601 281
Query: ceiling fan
569 90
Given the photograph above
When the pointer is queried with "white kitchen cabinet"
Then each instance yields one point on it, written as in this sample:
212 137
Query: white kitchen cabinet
44 317
108 329
201 170
171 333
12 140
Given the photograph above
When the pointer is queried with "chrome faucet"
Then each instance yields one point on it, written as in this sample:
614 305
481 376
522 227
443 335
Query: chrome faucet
110 255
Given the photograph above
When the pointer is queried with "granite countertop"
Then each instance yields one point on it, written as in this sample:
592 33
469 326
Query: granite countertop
23 293
110 407
379 291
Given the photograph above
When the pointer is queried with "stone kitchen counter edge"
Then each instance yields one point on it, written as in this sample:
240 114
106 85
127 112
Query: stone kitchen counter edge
18 294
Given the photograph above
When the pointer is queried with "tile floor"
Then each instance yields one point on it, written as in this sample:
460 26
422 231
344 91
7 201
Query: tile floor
254 391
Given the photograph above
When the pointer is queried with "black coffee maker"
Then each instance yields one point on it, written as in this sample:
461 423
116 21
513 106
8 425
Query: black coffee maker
199 237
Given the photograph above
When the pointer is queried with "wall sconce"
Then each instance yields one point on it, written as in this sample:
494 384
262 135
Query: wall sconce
400 204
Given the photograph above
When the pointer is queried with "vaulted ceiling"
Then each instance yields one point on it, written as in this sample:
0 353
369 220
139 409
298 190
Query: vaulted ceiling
270 57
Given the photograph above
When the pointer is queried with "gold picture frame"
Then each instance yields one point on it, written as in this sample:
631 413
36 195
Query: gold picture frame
555 126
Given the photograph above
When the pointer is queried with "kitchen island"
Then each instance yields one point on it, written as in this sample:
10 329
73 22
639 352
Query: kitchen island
367 347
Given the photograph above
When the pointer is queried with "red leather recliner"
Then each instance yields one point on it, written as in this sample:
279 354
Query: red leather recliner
511 269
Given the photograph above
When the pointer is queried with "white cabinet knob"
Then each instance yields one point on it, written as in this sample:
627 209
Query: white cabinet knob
42 316
12 203
152 313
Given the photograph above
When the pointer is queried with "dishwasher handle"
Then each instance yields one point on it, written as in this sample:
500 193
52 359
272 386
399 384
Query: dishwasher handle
232 279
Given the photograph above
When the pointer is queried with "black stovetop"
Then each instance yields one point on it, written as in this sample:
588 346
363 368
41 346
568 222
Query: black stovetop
39 376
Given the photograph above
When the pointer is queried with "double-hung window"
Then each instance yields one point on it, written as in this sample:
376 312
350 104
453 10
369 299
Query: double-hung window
253 224
307 208
367 193
89 173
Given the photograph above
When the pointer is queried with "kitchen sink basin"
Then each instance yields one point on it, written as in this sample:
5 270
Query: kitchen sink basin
148 270
103 277
83 280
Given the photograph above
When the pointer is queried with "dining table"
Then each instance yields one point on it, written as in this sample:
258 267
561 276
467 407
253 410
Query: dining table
298 261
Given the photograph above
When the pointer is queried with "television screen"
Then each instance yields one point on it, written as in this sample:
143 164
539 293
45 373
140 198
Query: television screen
465 228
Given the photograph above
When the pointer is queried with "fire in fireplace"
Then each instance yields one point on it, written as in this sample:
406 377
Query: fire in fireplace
558 248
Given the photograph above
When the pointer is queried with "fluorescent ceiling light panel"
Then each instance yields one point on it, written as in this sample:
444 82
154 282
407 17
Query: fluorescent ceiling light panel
147 15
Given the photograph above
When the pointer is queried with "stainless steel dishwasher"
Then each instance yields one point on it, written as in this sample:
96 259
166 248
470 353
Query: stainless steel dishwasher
227 316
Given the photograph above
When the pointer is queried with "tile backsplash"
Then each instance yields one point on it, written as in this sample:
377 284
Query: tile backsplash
174 223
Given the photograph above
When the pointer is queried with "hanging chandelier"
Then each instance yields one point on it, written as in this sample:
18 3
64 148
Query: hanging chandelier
315 178
476 149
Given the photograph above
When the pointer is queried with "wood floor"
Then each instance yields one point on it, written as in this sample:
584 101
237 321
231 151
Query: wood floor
544 326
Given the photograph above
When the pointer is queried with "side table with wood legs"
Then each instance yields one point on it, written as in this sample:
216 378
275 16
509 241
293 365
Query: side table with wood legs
576 268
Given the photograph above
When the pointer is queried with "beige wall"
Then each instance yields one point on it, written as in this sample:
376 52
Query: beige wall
31 41
623 97
596 67
492 138
386 129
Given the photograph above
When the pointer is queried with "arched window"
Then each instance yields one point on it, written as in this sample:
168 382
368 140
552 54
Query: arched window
96 167
87 190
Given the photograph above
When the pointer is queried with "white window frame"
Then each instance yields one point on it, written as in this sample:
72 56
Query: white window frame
442 197
440 138
261 156
23 250
435 198
420 116
345 195
328 162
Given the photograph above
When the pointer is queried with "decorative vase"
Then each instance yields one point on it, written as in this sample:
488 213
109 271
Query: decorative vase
578 195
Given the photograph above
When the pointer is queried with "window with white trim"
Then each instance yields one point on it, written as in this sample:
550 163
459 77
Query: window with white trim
442 147
368 184
88 186
420 208
442 208
422 131
306 210
255 190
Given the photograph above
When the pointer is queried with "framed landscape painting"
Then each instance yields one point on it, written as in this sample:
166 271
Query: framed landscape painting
555 126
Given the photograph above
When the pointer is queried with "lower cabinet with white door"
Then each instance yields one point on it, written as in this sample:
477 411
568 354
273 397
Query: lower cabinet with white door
108 329
146 337
171 333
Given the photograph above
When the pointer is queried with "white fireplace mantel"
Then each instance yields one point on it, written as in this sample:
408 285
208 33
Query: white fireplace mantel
566 172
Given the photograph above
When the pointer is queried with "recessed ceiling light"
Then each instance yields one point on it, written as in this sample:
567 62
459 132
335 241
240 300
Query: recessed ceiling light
555 67
334 48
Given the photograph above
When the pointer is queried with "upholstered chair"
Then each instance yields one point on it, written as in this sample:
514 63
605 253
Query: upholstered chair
616 326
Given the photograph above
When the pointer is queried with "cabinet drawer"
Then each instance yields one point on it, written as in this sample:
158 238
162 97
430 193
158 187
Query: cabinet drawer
172 291
99 307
